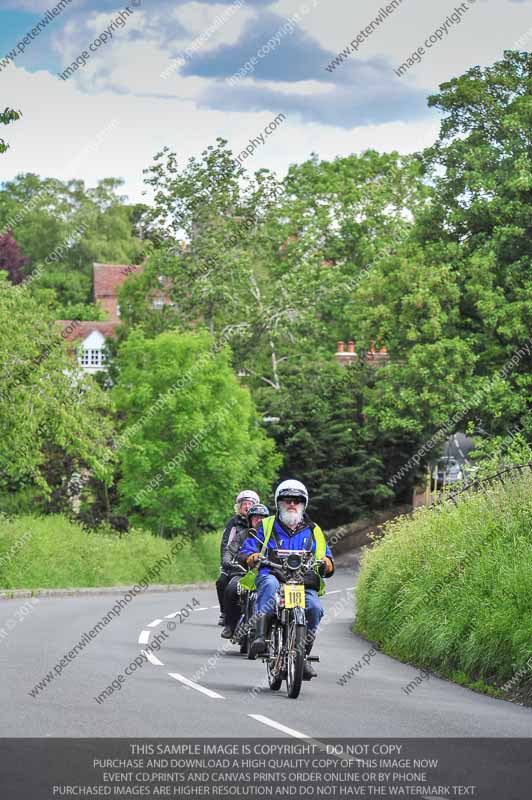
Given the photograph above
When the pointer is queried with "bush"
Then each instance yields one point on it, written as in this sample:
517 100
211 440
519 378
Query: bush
52 552
449 588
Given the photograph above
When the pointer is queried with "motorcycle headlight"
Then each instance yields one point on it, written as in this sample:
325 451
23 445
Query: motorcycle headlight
293 562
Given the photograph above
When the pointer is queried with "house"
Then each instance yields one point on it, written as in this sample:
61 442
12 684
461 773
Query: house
107 282
92 336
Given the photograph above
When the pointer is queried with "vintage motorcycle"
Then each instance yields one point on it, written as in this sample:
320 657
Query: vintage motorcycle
285 654
245 628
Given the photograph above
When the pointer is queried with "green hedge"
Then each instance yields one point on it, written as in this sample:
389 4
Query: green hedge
449 588
53 552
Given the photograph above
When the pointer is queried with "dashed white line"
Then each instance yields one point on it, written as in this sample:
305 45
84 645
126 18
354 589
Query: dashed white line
171 616
155 623
152 659
213 606
336 591
196 686
322 746
202 608
144 637
277 725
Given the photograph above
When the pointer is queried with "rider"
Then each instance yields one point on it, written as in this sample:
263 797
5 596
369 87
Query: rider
291 529
255 516
238 523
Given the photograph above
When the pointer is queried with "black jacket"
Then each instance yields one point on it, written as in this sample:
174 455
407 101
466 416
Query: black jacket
237 525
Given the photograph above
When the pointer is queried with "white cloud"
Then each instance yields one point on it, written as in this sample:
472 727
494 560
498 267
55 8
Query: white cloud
59 133
122 83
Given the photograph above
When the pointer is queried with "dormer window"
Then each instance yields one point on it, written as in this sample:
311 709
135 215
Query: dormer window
92 356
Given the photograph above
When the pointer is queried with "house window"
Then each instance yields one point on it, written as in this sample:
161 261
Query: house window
92 357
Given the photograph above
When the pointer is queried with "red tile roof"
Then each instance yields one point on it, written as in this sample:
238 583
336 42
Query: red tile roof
72 329
108 278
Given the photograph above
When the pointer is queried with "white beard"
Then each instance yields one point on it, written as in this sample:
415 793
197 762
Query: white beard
290 518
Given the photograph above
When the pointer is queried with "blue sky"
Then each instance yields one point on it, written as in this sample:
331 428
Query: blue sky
132 97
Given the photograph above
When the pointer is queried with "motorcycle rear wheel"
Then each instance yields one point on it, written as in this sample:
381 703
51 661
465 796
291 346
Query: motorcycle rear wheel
274 660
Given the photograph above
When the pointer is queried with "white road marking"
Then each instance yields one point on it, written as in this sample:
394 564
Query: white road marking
196 686
213 606
336 591
144 637
298 735
171 616
152 659
202 608
279 727
155 623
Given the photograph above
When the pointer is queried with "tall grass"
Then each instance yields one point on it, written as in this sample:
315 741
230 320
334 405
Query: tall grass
449 588
53 552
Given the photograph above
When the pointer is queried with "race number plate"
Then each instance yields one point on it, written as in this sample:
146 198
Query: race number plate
294 595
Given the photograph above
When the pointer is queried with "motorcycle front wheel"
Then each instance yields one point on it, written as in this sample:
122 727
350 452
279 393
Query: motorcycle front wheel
295 657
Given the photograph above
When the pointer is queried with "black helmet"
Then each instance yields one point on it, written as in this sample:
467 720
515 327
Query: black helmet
258 510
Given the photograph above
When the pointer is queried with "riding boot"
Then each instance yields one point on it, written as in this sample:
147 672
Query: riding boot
308 670
258 646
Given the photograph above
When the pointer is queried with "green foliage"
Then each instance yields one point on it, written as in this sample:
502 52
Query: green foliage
63 227
190 433
449 588
84 311
6 116
273 265
453 305
48 413
328 443
53 552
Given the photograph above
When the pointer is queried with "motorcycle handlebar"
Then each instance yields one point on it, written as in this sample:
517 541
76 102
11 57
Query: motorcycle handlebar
265 562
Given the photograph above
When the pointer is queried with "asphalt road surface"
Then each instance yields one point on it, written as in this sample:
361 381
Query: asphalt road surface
197 685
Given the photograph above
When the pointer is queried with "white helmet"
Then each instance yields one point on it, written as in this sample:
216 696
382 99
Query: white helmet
291 488
247 494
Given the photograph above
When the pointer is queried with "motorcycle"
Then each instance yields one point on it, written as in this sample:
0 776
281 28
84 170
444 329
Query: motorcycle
245 627
286 646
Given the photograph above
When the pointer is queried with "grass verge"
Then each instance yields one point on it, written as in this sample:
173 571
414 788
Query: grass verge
53 552
449 589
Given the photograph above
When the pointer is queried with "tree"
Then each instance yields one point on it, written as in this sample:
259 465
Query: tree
329 444
6 116
48 410
272 263
190 435
454 304
11 259
63 227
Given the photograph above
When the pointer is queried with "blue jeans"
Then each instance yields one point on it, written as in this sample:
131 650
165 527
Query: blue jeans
267 586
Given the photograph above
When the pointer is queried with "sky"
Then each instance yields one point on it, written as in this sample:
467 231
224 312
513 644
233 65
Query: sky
164 73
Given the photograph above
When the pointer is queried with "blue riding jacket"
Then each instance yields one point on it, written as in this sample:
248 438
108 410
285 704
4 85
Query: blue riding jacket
283 539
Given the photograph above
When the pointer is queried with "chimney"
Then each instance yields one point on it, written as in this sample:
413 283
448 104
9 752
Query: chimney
350 346
340 347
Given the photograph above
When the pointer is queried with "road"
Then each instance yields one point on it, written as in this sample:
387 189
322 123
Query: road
158 700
